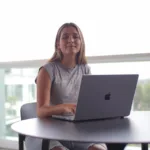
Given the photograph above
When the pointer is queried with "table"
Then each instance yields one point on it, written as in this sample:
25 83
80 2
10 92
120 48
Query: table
132 129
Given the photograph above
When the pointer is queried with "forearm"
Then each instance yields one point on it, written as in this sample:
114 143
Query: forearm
46 111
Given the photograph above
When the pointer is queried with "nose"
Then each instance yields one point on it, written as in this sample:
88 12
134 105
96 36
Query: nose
70 39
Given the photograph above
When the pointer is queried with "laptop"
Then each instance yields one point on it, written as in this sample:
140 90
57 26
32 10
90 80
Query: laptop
104 97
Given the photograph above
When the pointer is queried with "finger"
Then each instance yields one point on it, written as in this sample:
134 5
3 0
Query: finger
70 105
73 105
74 110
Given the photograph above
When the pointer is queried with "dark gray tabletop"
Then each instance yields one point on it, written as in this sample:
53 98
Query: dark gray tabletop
132 129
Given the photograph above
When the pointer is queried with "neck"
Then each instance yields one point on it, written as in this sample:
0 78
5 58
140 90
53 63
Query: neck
69 62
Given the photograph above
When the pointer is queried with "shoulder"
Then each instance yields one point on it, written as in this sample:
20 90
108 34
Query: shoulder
86 68
49 65
48 69
42 77
42 73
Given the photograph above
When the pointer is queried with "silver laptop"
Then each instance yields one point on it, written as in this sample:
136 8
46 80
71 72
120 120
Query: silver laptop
103 97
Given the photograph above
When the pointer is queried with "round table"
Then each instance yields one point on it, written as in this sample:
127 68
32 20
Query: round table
132 129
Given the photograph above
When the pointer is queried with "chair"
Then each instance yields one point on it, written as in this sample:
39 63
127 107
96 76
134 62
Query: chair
28 111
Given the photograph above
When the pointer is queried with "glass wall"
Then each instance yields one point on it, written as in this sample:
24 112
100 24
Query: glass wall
18 87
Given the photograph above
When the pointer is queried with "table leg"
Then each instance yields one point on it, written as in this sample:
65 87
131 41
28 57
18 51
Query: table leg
45 144
144 146
21 141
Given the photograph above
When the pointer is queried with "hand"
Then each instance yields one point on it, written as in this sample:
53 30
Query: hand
68 109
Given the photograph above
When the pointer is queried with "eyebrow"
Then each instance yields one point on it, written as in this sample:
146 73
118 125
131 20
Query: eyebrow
69 33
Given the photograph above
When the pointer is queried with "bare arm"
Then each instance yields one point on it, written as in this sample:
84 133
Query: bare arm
43 97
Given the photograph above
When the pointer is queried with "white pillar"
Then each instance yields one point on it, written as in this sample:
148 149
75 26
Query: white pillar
2 103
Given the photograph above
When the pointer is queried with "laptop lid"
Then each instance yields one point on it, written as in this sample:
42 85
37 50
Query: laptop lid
105 96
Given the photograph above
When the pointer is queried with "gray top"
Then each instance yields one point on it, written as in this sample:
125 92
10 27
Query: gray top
133 129
65 82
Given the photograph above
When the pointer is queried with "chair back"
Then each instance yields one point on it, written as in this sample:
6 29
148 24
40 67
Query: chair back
28 111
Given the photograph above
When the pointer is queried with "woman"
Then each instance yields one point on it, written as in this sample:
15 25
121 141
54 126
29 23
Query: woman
58 81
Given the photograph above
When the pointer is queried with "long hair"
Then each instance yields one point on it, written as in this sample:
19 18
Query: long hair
58 56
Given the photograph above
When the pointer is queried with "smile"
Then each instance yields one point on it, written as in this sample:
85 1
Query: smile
70 46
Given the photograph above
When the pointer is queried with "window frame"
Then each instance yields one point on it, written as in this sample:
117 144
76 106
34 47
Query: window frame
91 59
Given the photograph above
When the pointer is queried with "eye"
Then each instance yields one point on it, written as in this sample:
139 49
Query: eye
65 37
76 36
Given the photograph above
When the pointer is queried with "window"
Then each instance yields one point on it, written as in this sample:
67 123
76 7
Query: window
109 27
18 88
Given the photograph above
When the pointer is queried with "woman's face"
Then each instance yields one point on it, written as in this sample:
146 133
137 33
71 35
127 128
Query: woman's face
70 42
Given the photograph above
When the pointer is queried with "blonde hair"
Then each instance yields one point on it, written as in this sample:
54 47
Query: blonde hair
57 56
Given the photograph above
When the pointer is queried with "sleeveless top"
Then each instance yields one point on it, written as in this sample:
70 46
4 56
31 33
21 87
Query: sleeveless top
65 82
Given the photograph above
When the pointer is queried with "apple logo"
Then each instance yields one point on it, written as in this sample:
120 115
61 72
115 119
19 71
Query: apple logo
107 96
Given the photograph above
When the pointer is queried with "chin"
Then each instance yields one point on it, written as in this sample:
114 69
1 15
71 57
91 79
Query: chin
72 52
